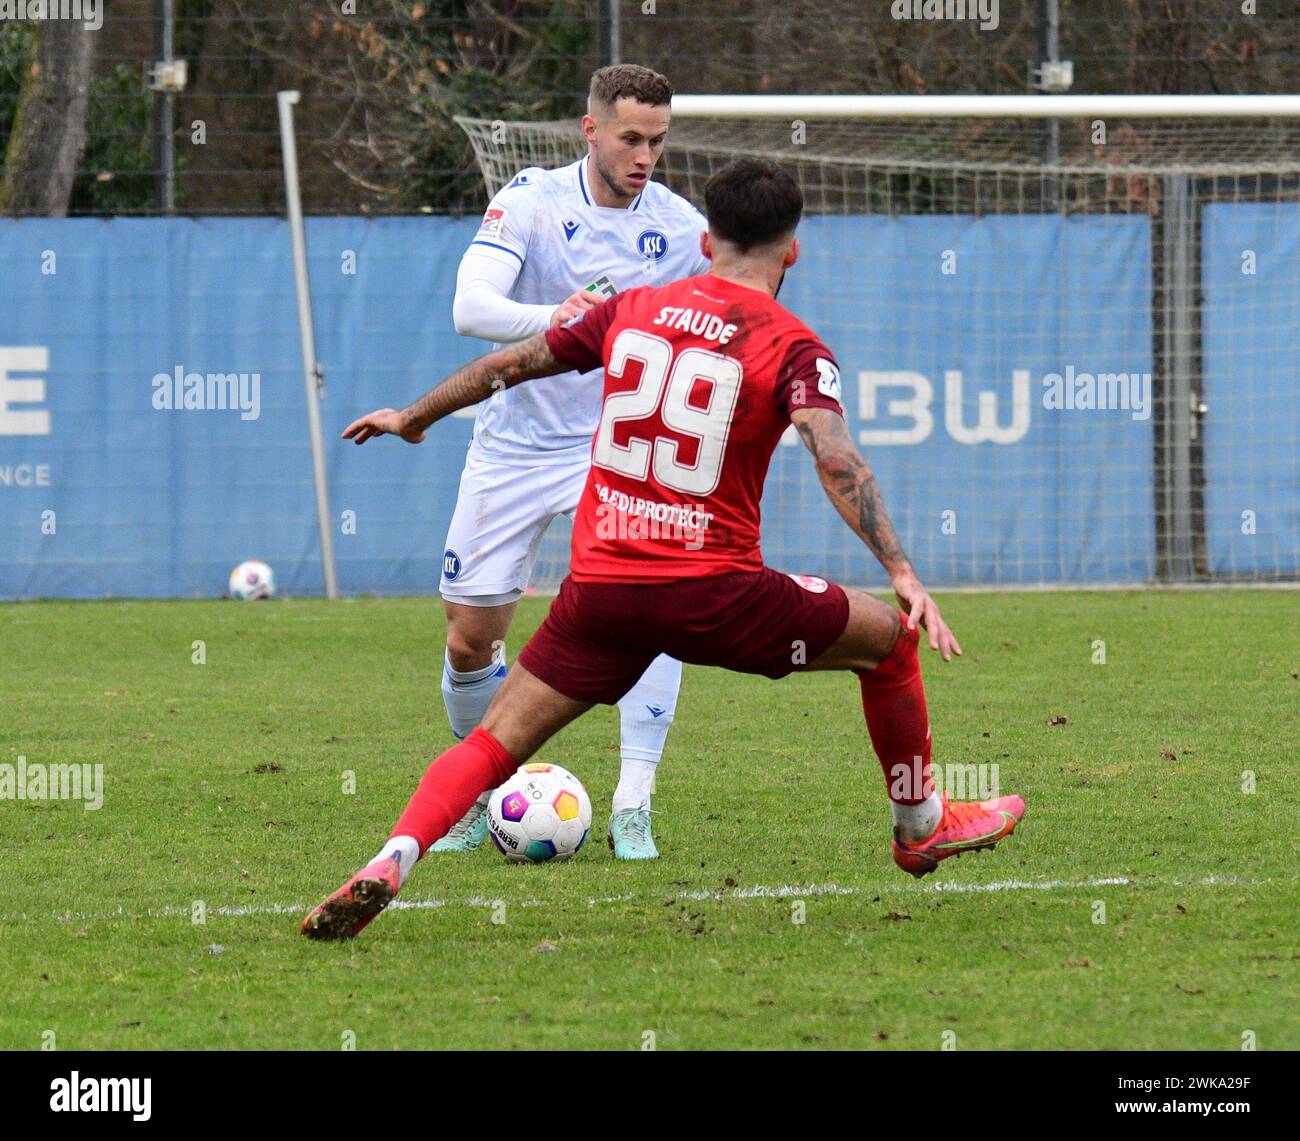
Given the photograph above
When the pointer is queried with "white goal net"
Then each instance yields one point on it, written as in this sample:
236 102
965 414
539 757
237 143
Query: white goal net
1068 346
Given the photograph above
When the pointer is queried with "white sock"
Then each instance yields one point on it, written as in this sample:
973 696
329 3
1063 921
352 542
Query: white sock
405 850
918 821
467 694
636 784
645 713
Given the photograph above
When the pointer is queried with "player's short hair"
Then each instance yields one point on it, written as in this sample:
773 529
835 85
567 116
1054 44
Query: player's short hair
751 202
628 81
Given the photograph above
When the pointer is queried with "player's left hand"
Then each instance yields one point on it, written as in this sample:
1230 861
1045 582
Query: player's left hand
924 611
383 422
575 305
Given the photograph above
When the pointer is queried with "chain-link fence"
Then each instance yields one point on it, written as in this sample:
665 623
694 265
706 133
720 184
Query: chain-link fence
89 125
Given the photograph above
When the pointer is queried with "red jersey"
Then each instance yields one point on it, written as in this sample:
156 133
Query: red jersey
700 379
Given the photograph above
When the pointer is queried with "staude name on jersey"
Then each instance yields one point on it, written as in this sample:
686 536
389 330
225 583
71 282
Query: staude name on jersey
707 325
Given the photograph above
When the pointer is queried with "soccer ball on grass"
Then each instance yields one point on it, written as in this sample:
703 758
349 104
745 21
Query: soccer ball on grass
541 813
251 580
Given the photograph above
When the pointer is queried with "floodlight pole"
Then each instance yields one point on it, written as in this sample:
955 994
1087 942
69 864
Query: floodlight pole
312 375
1052 78
166 114
615 33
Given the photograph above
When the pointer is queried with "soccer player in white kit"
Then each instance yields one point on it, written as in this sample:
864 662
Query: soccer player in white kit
553 243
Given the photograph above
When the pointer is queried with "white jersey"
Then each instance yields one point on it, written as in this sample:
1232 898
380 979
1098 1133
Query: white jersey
549 220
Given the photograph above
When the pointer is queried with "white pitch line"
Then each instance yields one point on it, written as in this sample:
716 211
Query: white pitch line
758 891
1031 885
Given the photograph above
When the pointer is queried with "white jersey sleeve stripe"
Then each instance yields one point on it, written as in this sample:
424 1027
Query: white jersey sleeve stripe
493 245
484 307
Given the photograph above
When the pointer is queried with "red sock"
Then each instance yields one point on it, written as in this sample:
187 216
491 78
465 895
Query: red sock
451 784
893 699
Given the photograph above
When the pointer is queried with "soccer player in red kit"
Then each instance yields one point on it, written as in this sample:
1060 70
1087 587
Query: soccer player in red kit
701 379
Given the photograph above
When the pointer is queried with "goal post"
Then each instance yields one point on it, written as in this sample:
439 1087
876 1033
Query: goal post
1069 366
985 106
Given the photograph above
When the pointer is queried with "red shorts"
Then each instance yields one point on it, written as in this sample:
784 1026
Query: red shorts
600 637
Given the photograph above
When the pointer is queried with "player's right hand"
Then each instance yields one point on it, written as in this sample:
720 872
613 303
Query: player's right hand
575 305
383 422
922 610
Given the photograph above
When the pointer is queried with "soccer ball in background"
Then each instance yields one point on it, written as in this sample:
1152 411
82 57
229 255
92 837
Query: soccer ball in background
540 813
251 580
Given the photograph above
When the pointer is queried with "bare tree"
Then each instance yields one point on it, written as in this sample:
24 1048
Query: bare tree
49 131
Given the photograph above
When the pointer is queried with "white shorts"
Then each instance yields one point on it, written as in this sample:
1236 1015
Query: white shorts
501 513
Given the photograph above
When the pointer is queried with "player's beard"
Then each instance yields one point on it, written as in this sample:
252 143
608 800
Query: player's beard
608 179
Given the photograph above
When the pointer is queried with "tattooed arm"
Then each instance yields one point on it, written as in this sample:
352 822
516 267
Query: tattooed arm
476 381
851 487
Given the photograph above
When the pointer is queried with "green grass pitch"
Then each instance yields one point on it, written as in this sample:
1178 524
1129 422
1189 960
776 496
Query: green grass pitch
225 786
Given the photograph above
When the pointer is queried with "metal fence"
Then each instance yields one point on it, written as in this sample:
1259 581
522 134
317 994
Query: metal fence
109 133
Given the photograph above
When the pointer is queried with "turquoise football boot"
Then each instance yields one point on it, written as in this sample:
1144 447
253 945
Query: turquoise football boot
467 833
629 835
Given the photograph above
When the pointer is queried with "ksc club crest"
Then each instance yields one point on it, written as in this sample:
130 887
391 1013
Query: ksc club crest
651 245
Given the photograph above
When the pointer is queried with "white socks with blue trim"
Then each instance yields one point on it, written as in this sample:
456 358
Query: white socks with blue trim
645 713
467 694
